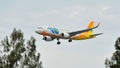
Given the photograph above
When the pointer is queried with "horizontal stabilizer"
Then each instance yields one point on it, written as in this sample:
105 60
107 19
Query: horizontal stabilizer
96 34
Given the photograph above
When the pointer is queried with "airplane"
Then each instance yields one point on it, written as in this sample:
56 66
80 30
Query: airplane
49 33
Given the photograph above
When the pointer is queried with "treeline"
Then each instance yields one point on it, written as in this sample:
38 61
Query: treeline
15 53
114 61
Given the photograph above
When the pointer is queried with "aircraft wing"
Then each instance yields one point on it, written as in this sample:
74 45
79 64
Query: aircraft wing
81 31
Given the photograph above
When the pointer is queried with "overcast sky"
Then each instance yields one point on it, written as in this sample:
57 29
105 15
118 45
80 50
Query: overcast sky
70 15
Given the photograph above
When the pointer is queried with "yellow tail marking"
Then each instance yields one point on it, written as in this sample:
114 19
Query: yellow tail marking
85 35
91 25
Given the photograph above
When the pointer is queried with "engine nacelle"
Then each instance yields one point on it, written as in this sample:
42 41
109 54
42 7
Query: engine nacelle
65 35
48 38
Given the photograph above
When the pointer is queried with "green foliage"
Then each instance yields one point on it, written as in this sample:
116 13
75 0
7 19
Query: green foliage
15 54
114 61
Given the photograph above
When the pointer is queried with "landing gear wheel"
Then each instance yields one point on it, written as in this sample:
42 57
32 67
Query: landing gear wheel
70 40
58 43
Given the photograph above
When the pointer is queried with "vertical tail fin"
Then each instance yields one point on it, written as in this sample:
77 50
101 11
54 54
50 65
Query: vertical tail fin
91 25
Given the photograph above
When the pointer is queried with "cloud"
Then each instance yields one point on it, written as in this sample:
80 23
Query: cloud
83 11
54 11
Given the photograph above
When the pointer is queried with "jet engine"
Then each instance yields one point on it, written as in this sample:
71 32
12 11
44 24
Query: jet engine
48 38
65 35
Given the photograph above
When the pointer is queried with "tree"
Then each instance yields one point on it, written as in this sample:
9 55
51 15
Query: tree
114 61
14 53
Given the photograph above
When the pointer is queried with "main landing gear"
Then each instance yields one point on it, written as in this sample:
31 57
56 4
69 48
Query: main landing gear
70 40
58 42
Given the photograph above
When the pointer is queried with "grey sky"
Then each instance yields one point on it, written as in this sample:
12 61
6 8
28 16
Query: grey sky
70 15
